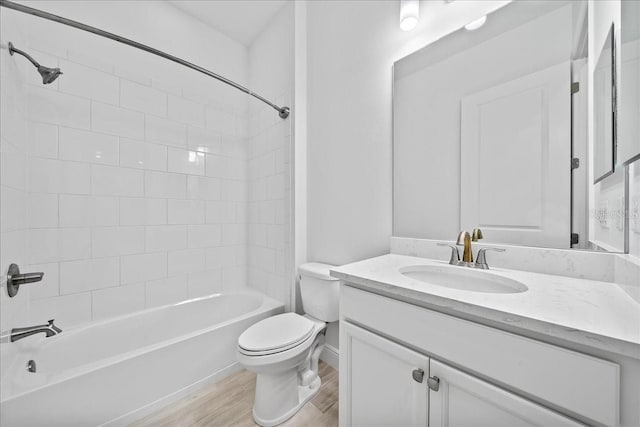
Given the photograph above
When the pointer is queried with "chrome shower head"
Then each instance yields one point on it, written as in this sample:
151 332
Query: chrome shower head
48 74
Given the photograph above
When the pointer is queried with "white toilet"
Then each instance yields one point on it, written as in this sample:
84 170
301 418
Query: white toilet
284 349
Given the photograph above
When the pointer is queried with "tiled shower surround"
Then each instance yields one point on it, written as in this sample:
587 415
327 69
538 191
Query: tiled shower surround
136 190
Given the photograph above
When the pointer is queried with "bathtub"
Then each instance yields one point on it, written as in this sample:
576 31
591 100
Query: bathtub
119 370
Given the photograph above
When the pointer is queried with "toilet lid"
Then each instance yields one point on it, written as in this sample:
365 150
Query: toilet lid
283 330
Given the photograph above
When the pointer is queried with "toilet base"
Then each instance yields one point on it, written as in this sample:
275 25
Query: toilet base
280 395
305 393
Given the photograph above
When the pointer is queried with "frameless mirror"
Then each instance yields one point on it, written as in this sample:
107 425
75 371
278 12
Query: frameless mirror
490 131
604 144
628 140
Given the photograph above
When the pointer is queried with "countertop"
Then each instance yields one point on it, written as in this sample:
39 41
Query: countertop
600 315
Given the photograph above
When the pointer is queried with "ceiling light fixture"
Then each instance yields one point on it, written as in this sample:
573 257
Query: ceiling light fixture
474 25
409 13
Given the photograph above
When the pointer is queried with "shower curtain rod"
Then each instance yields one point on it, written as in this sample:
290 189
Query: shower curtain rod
283 112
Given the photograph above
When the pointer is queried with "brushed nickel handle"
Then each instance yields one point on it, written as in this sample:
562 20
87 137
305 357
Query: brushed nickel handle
15 279
433 383
455 255
418 375
481 259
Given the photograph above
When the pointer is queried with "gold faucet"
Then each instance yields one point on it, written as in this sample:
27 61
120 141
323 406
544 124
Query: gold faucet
464 238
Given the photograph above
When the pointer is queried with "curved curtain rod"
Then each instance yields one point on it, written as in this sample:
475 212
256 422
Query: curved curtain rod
283 112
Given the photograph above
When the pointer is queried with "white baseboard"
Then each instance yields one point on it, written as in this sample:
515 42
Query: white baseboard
152 407
330 356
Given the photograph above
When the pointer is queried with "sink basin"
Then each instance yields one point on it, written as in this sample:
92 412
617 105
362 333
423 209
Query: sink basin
463 278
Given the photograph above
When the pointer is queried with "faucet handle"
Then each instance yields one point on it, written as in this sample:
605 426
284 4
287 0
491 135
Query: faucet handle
455 255
481 259
476 235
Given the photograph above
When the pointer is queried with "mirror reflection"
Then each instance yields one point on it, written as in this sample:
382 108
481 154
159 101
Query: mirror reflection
603 114
628 139
491 131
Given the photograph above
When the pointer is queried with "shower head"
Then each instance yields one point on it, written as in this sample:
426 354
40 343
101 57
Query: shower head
48 74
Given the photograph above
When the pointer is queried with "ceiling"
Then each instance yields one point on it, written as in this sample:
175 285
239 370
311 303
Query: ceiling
241 20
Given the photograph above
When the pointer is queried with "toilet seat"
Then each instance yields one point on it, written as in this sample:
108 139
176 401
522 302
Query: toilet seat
276 334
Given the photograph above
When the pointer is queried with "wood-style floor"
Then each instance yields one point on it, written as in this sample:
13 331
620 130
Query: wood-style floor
230 401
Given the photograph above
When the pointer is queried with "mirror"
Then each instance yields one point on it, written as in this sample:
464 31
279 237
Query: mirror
491 131
604 143
629 84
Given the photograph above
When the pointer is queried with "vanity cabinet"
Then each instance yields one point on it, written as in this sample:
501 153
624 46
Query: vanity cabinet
464 400
387 384
405 365
379 386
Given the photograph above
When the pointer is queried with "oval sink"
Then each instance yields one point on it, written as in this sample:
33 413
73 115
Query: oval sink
463 278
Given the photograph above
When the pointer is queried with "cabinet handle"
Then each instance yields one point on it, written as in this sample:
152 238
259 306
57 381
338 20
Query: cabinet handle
418 375
433 383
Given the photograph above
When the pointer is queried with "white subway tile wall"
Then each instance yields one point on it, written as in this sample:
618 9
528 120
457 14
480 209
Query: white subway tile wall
130 192
268 229
15 202
121 190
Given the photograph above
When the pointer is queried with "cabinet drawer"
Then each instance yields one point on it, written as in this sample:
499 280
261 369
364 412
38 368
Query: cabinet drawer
580 384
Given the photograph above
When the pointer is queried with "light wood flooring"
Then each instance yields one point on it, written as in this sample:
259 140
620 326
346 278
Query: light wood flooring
230 402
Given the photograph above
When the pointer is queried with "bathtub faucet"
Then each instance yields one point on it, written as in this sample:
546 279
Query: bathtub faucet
49 330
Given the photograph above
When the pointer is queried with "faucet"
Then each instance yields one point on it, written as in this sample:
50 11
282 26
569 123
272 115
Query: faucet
49 330
465 239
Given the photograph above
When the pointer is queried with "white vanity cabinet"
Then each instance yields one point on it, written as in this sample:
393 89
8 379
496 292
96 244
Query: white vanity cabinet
387 384
379 385
405 365
464 400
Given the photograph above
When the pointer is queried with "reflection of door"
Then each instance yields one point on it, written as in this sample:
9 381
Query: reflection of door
515 160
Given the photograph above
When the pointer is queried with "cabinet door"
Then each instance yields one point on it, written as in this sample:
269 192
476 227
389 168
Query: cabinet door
463 400
377 385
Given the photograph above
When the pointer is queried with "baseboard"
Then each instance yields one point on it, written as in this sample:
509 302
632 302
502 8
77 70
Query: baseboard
152 407
330 356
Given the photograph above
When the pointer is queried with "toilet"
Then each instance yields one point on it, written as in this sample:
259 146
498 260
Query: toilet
284 350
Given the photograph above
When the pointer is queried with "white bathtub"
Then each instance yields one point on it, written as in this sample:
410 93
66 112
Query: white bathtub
119 370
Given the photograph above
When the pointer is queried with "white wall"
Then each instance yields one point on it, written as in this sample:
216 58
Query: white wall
351 48
152 22
13 172
634 209
136 173
299 169
269 236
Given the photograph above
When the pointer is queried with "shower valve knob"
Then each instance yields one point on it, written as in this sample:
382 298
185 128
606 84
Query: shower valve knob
15 279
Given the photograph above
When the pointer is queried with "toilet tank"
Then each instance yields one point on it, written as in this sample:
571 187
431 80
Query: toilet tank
319 291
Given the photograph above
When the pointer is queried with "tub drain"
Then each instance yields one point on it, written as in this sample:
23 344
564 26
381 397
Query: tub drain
31 366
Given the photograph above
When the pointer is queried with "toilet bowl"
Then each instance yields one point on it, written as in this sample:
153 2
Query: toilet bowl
284 350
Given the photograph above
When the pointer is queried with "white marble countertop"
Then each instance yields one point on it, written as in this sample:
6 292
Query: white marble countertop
601 315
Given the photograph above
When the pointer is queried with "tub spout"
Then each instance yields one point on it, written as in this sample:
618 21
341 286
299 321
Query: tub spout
49 330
